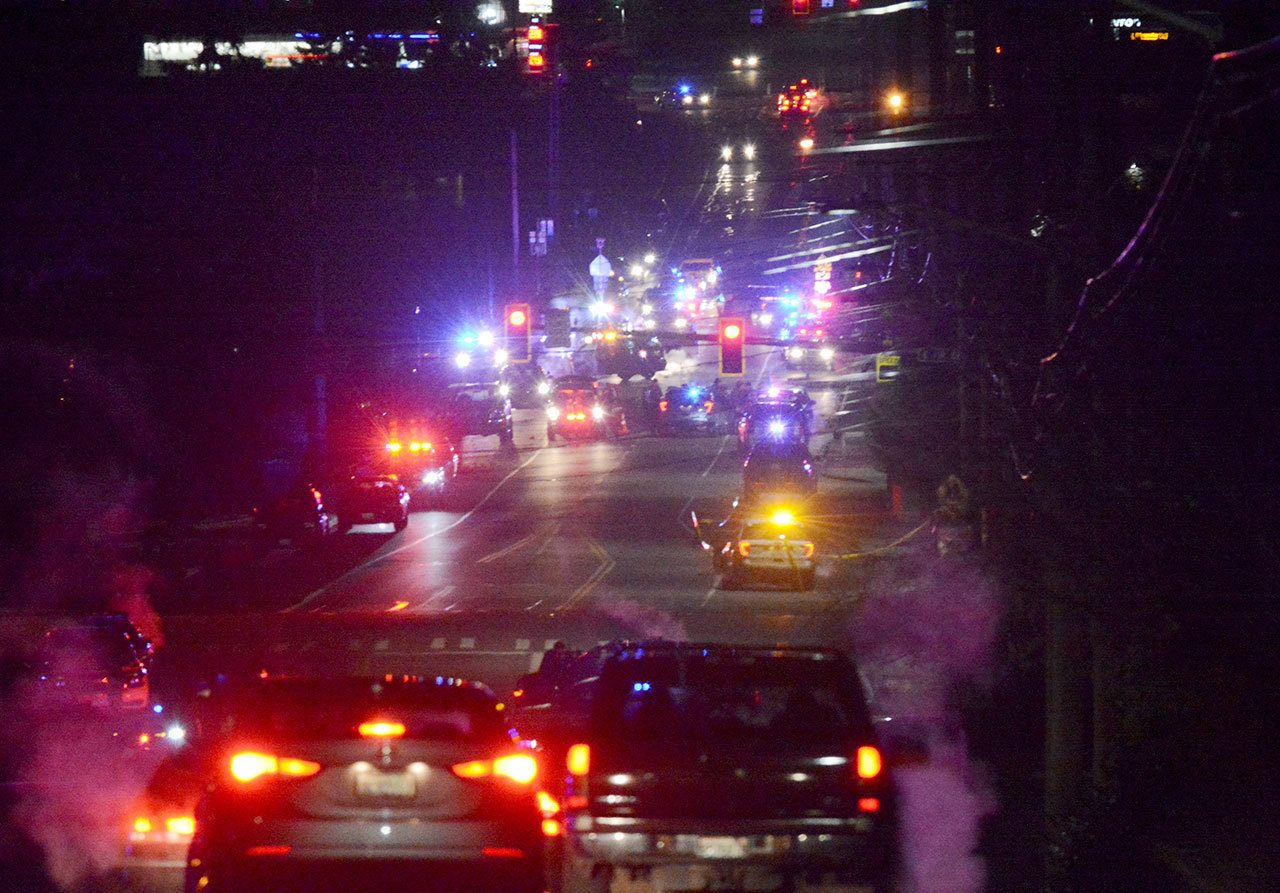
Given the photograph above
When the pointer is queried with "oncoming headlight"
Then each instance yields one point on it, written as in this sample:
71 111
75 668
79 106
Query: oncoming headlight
597 412
553 412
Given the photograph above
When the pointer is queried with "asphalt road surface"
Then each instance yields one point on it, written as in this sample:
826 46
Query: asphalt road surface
580 542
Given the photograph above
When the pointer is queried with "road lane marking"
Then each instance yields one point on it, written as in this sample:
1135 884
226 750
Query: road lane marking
513 547
607 564
398 606
422 539
443 593
710 593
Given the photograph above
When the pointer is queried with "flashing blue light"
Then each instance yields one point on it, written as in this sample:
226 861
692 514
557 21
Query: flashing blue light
777 428
396 36
694 391
157 708
785 333
685 89
467 339
377 36
420 36
641 686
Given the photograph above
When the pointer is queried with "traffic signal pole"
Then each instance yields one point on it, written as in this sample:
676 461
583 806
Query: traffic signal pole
515 212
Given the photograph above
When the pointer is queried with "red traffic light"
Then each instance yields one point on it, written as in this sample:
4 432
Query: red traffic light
515 324
732 340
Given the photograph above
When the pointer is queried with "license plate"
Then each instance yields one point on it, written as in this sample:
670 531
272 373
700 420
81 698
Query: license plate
367 516
721 848
381 784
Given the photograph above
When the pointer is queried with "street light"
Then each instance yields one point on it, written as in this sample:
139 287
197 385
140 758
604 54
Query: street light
650 259
896 101
637 270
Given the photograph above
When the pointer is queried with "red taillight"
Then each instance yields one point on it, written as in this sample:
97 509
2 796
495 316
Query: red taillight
502 852
869 762
249 765
869 804
710 405
578 760
268 851
552 828
381 729
662 406
744 549
518 767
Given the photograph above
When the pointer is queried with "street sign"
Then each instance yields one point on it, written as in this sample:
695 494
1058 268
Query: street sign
601 271
536 7
887 366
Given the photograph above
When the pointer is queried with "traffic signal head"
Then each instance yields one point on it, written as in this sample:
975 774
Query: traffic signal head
733 337
516 325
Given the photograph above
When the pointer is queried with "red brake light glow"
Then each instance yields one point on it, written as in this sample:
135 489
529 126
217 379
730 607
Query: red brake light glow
869 804
869 762
578 759
521 768
381 729
249 765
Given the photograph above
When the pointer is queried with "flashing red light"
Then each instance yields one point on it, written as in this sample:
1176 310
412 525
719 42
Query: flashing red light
800 7
537 61
537 34
662 405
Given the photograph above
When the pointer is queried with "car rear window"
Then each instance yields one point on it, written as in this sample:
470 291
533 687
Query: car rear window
334 710
758 700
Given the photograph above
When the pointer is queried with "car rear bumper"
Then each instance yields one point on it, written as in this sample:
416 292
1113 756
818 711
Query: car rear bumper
433 841
334 874
774 569
862 844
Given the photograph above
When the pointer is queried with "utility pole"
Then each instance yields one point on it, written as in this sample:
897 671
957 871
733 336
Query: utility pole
319 324
553 147
515 212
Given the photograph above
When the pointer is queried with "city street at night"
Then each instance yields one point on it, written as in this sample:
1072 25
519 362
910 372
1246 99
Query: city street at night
639 447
